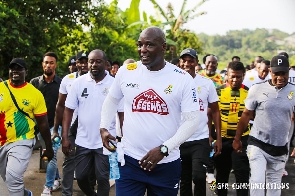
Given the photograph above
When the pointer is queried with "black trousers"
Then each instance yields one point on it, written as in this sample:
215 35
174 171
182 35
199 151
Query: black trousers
194 159
229 159
87 161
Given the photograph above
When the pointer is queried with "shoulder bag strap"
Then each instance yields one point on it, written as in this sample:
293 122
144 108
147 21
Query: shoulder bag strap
14 101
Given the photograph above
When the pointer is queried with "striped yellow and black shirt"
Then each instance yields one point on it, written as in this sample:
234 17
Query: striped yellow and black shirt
231 105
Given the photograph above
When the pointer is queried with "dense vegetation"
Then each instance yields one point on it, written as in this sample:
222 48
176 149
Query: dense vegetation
29 28
247 44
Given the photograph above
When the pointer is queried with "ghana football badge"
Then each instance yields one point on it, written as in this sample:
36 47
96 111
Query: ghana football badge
168 90
132 66
290 96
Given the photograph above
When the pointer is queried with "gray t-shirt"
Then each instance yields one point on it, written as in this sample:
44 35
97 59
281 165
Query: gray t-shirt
273 108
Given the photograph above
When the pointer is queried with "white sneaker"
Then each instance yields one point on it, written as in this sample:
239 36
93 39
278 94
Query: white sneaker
56 185
46 191
285 173
210 178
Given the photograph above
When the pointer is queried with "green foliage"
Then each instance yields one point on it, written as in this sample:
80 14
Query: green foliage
108 32
182 38
31 28
244 43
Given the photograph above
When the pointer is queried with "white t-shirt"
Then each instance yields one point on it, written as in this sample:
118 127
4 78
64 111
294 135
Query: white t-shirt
66 82
252 78
207 94
65 86
87 97
153 102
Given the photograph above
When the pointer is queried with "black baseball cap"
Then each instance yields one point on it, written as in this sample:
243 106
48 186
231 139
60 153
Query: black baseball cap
284 54
82 54
189 51
279 63
72 60
19 61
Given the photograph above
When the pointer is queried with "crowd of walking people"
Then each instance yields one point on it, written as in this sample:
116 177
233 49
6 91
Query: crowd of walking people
175 125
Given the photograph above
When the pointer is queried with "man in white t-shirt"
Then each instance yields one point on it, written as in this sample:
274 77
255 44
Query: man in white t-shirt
195 151
68 163
260 75
86 95
155 93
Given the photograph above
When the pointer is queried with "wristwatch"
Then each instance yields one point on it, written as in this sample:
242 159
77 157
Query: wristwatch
164 150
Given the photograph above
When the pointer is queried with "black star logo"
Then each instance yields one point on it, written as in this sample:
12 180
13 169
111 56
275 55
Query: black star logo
9 124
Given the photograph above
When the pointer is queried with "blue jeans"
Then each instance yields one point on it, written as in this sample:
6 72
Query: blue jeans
52 169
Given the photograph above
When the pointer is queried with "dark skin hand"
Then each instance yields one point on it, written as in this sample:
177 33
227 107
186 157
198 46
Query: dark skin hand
45 133
66 144
148 162
106 137
243 123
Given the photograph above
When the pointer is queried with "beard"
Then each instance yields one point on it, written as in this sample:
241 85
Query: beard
48 73
210 73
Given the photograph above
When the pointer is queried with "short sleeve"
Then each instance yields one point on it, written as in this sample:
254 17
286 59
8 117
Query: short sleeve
72 98
190 99
251 101
62 87
40 107
213 97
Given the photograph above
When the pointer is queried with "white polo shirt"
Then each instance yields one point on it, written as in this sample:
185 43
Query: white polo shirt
87 97
153 102
207 94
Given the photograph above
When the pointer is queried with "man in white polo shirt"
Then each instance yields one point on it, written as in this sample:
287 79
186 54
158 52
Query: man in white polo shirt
155 93
86 95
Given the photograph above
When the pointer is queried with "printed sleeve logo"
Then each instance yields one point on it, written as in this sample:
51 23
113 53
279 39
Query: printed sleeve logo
71 76
131 85
84 93
149 101
179 71
290 96
251 78
194 95
168 90
131 66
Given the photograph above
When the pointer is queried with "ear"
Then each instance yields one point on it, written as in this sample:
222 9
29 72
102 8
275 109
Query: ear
164 46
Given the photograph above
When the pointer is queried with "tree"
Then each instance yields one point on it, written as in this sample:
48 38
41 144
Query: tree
181 38
108 32
31 28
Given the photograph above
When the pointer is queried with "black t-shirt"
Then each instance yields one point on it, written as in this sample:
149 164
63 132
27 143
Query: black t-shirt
50 92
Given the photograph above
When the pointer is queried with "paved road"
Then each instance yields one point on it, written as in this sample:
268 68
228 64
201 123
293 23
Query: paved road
34 180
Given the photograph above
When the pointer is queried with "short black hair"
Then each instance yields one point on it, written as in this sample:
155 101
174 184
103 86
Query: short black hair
235 57
266 62
260 59
204 58
116 62
236 66
52 54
